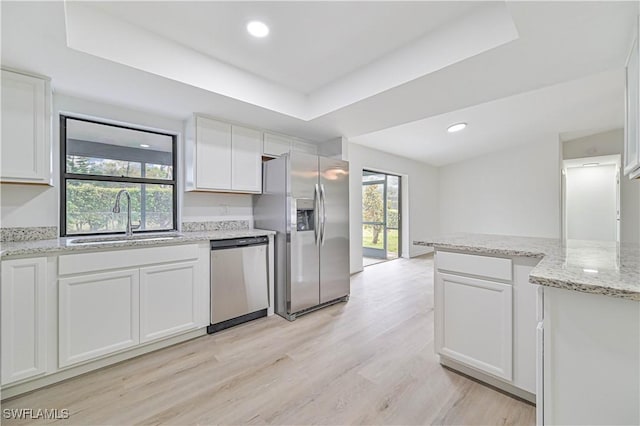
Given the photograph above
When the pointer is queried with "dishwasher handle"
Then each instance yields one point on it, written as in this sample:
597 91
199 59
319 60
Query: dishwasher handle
239 242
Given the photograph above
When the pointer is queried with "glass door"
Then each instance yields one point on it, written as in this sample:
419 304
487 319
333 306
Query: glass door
380 216
392 222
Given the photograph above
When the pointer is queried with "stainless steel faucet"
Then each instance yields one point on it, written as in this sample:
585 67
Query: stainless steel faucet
116 209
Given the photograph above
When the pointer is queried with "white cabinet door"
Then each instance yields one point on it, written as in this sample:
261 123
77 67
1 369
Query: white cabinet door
97 314
213 154
525 321
246 159
276 145
307 147
168 300
26 129
23 319
632 124
475 323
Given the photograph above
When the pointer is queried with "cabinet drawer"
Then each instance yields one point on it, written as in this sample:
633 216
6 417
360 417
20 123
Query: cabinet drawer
126 258
484 266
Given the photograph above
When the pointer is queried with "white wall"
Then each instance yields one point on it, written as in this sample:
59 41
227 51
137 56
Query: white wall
512 192
29 205
596 145
420 198
611 143
204 207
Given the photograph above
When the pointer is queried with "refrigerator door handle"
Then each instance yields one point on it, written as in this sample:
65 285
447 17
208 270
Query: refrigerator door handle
324 213
316 215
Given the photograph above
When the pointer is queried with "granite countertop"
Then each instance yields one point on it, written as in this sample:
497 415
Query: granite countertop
63 245
587 266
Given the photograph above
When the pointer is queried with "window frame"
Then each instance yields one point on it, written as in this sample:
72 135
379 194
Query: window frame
64 176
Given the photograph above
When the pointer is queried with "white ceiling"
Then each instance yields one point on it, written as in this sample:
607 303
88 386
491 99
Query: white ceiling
555 43
310 44
592 104
135 40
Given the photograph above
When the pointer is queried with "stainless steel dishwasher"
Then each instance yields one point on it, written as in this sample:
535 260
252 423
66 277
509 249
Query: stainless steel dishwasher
239 281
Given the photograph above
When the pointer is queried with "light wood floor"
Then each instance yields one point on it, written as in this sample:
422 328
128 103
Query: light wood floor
369 361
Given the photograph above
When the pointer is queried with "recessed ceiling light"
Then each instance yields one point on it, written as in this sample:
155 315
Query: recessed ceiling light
258 29
144 145
590 164
590 271
456 127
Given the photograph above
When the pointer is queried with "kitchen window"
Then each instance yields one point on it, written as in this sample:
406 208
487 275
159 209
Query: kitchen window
100 159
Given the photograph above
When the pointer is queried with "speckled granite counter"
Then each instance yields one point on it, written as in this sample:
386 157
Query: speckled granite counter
63 245
587 266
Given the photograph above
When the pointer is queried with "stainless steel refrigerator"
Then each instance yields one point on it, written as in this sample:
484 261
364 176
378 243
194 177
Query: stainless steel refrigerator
305 199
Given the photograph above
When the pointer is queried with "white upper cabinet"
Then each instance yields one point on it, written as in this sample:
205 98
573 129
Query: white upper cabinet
276 145
225 157
632 119
26 129
221 157
246 159
213 154
307 147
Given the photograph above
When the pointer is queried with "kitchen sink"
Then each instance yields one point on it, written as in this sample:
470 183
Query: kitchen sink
122 239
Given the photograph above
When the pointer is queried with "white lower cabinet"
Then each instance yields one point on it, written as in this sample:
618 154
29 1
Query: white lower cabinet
23 319
485 319
475 323
168 300
158 293
591 359
98 315
75 312
540 373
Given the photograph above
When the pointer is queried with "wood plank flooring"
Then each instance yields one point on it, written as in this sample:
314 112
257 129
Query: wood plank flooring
369 361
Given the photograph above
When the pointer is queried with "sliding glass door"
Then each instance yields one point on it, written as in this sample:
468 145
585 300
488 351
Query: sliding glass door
380 215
